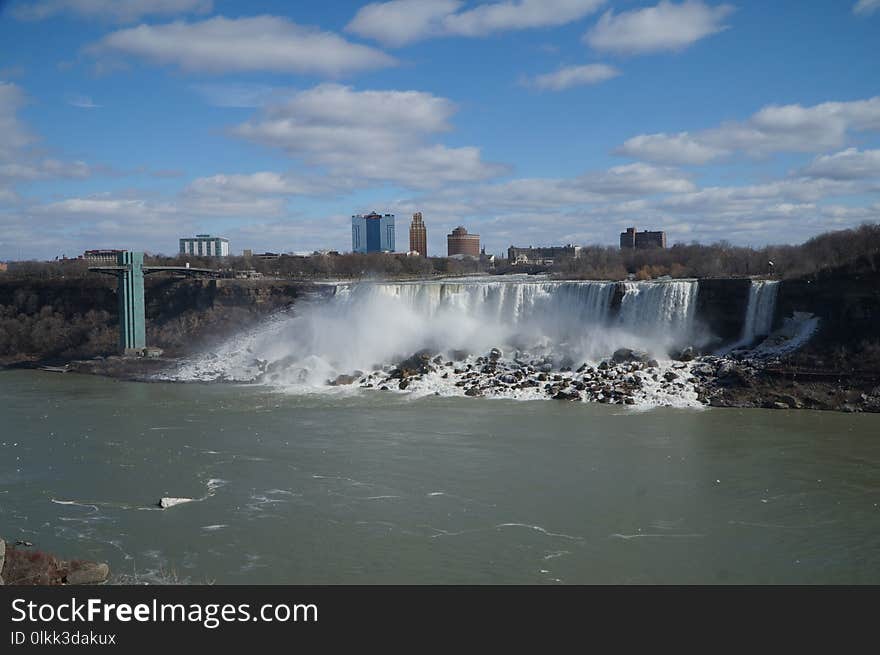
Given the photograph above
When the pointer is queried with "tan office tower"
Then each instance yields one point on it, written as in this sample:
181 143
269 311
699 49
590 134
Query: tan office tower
462 243
418 235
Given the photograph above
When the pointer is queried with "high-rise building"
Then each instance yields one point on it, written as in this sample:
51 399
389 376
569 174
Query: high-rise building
462 243
204 245
372 233
418 235
643 239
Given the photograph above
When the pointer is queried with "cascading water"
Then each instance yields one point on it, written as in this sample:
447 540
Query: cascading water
662 312
370 325
760 310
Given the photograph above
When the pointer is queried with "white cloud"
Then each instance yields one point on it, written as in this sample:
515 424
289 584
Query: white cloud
569 76
785 128
866 7
668 26
849 164
260 43
13 134
122 11
678 148
43 169
18 164
82 102
401 22
241 187
377 136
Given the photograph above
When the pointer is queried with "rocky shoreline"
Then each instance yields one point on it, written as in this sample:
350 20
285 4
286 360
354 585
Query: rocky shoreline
627 378
21 565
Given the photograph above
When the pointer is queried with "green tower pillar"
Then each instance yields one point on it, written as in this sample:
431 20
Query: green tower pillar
132 314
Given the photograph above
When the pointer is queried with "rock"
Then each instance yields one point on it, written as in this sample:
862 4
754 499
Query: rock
81 573
342 379
731 375
629 400
20 567
473 391
403 384
562 395
686 355
669 376
789 401
459 355
416 364
626 355
165 503
495 354
652 363
603 366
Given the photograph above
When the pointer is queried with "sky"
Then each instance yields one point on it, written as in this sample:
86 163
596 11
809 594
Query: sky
132 123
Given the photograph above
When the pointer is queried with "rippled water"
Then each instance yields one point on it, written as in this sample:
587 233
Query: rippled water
385 488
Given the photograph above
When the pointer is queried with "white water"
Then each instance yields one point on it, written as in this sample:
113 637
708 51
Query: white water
368 326
761 307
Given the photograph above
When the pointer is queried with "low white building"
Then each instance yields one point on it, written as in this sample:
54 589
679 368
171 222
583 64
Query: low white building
204 245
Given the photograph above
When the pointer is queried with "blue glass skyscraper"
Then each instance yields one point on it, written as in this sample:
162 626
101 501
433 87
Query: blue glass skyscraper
372 233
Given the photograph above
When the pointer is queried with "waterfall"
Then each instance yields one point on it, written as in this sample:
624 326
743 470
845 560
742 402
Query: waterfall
760 310
663 312
369 325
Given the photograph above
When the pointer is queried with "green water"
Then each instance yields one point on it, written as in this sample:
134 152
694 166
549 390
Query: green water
380 488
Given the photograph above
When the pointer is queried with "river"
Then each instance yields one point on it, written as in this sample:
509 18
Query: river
371 487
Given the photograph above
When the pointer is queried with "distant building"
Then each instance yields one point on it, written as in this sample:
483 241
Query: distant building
542 256
204 245
418 235
372 233
4 267
644 239
247 252
462 243
101 256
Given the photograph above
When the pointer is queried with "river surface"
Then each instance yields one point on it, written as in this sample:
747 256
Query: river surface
375 487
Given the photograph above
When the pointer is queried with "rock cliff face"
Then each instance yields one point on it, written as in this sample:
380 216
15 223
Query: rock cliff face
721 306
55 320
848 301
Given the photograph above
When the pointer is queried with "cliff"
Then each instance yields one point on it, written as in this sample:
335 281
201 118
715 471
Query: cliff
58 320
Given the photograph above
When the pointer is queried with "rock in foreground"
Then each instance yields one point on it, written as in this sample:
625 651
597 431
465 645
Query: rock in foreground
19 566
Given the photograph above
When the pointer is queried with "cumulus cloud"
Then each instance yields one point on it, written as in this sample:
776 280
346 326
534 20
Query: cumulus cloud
377 136
401 22
569 76
678 148
260 43
785 128
849 164
122 11
866 7
668 26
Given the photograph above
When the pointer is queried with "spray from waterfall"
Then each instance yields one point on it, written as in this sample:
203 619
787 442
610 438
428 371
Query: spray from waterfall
368 326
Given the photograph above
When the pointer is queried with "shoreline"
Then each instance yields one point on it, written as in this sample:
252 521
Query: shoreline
717 382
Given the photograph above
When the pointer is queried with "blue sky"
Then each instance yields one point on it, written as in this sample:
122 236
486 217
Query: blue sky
130 123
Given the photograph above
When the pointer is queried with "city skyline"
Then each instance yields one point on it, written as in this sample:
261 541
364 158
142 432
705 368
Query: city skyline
129 124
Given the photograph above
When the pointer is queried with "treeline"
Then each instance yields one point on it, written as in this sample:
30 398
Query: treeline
854 247
826 251
350 265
